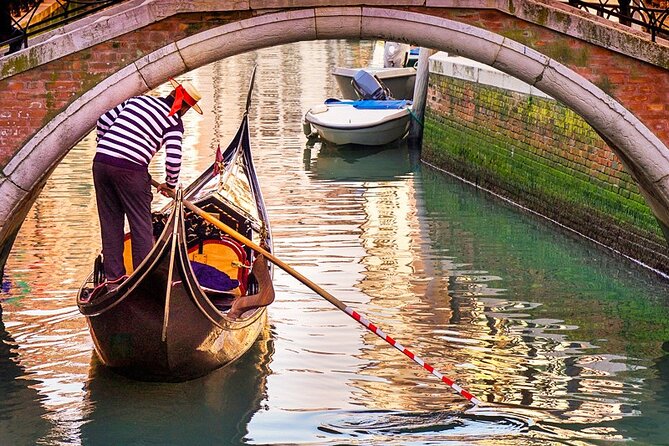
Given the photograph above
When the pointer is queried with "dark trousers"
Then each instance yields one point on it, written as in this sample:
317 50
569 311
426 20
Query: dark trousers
120 193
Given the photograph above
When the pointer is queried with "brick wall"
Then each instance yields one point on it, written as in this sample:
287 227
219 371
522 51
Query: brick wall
640 87
538 153
33 97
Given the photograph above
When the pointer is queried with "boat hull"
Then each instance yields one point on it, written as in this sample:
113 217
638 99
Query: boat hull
342 124
160 325
134 354
139 339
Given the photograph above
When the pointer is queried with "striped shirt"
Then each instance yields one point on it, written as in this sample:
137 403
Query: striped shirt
136 129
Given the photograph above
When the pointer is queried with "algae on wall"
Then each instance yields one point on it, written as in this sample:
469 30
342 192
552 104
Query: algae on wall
539 153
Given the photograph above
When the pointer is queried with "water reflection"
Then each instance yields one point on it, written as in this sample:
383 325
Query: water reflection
21 412
214 409
440 426
362 163
500 337
529 354
653 429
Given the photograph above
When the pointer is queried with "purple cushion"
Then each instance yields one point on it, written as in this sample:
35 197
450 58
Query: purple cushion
210 277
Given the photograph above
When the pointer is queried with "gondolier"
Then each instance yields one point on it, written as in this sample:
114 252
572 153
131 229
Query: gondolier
128 136
199 299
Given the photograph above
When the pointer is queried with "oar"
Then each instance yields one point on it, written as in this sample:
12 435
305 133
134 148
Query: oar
329 297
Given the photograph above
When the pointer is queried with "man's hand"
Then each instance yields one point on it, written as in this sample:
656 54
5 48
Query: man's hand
165 190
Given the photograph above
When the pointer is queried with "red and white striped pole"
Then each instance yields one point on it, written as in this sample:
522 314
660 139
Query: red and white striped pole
377 331
329 297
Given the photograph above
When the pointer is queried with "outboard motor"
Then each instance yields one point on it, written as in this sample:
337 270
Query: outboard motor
368 86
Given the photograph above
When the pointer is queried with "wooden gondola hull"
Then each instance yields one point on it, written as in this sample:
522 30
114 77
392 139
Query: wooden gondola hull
132 345
134 334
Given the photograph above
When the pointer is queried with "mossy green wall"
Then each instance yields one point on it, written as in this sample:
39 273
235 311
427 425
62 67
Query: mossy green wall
538 153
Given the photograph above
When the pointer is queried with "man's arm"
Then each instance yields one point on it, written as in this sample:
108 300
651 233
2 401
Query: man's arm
172 142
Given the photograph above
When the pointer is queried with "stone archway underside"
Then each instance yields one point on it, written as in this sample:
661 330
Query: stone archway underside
644 155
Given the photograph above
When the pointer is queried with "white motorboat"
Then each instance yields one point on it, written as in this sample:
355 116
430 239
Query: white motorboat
374 120
364 122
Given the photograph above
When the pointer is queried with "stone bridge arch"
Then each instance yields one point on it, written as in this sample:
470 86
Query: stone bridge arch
643 153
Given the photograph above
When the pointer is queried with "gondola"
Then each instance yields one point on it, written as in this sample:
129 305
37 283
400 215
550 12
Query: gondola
170 320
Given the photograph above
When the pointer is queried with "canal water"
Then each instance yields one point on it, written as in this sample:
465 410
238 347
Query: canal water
559 339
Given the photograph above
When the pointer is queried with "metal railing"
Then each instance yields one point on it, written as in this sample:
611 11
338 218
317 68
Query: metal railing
19 19
651 16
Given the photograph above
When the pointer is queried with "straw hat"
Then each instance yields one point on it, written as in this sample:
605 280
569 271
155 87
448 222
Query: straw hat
190 95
